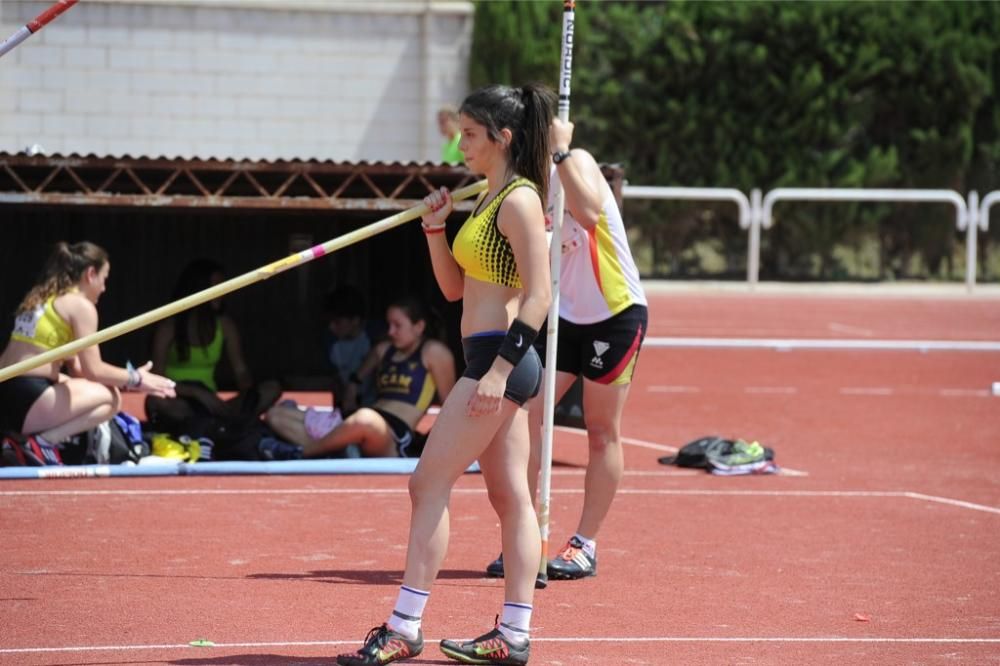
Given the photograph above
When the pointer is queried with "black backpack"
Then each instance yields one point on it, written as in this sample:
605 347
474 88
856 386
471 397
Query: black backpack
699 452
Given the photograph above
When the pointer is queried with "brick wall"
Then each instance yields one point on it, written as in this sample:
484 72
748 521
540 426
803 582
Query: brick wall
258 79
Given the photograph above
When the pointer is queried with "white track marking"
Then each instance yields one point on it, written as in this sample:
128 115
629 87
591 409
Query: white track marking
952 502
673 389
480 491
790 344
207 651
865 390
963 393
849 330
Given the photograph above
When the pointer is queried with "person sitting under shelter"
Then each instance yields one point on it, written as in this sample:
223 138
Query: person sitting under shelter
409 369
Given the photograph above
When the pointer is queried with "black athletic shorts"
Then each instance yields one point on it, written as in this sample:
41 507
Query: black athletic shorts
605 351
408 445
525 379
17 395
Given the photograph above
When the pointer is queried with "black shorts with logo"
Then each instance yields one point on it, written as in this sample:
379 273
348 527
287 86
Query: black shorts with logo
605 351
524 380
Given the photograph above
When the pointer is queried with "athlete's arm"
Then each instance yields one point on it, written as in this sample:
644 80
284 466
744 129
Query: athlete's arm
580 175
81 315
447 272
440 362
522 221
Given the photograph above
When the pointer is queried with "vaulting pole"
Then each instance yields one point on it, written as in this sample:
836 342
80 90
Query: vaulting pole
552 331
34 26
223 288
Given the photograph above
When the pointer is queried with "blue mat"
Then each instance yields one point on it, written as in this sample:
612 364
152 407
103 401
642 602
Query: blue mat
227 468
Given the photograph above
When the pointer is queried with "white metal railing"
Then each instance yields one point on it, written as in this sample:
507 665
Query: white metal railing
984 209
756 212
853 194
746 218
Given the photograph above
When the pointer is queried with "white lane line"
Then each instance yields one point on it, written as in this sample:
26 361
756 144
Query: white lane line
673 389
479 491
866 390
849 330
916 640
953 502
963 393
777 390
789 344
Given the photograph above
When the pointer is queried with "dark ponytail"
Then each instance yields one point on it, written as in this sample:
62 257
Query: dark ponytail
527 113
63 270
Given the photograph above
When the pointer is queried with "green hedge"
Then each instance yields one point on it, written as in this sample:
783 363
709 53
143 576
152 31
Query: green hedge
771 94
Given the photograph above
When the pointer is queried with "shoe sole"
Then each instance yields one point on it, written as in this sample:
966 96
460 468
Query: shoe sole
465 659
558 576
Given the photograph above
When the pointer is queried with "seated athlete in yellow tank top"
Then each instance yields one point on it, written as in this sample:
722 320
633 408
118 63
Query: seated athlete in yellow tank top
42 326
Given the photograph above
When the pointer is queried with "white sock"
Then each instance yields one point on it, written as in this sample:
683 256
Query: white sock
405 618
515 623
589 545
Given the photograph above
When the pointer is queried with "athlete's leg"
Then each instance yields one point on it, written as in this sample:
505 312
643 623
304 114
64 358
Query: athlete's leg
365 427
504 463
455 441
70 407
536 413
602 410
289 422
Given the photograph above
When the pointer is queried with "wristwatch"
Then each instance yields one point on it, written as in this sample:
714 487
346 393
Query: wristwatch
560 155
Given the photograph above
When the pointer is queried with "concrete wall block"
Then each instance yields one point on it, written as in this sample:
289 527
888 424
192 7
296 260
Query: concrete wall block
105 125
151 37
48 102
62 32
87 56
124 57
195 38
47 78
125 104
237 130
173 60
195 129
173 104
96 103
107 35
93 80
149 81
236 85
62 125
257 106
38 55
22 123
214 107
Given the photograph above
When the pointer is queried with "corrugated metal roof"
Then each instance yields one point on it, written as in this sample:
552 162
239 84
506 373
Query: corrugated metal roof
125 180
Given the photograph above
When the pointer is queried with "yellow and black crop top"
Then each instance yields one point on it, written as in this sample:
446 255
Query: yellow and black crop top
481 250
43 327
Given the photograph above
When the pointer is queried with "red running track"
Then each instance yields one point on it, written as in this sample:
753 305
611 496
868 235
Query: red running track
890 513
